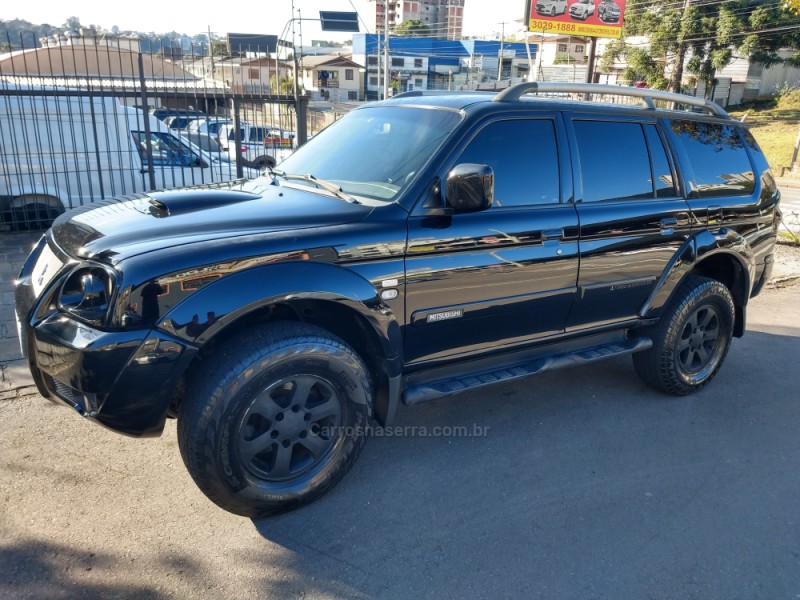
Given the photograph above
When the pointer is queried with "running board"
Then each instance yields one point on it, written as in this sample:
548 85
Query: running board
430 390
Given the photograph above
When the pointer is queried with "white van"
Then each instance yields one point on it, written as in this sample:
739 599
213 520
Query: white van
58 152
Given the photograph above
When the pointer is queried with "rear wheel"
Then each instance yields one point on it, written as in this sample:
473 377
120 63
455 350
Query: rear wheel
692 339
277 420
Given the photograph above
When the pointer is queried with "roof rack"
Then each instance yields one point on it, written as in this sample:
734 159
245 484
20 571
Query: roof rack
515 92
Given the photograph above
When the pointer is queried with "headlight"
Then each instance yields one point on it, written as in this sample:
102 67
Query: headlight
86 294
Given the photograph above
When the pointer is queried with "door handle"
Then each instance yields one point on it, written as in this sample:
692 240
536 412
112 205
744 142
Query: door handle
553 234
669 223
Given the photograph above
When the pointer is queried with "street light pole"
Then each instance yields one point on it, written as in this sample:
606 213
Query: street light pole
500 54
385 49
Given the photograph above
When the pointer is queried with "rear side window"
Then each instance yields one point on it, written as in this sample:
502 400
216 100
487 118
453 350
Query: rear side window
524 156
662 172
718 158
614 160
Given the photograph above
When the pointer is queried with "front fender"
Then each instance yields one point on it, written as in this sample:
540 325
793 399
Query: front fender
695 250
202 315
221 303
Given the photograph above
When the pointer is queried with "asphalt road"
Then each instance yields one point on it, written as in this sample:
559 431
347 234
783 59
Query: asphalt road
587 484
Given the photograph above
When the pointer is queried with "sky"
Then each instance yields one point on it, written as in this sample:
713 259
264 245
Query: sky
481 17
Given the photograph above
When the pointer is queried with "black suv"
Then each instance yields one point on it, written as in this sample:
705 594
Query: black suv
416 248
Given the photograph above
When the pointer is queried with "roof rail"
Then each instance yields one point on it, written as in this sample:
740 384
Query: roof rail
417 93
515 92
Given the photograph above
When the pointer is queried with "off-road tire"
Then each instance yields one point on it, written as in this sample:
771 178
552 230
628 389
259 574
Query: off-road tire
233 408
691 340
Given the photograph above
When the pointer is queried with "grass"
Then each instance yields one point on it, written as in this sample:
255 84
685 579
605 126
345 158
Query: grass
775 131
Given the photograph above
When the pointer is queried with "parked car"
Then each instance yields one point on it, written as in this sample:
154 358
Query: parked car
208 144
417 248
59 152
551 7
162 113
179 122
261 146
608 11
581 9
208 125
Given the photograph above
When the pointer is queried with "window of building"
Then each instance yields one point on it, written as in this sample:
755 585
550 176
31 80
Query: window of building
578 49
253 73
417 63
351 95
348 74
718 158
372 60
614 160
562 48
398 62
418 82
373 81
524 157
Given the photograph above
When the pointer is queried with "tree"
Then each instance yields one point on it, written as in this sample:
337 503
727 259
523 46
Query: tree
219 48
708 33
413 28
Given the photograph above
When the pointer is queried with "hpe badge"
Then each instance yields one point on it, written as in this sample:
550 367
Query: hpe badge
443 316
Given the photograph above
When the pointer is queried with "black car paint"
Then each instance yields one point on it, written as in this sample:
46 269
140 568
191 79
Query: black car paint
513 278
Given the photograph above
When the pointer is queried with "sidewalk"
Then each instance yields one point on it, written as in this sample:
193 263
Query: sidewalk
15 378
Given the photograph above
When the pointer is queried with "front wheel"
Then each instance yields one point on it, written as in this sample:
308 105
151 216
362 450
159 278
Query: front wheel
692 339
276 419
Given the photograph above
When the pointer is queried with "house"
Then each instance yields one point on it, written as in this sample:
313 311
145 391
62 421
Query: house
333 78
249 75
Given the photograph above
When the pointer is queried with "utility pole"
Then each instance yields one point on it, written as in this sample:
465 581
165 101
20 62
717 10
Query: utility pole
210 52
500 54
386 49
590 62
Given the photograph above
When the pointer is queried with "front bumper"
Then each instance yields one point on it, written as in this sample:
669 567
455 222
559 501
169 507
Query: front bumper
124 380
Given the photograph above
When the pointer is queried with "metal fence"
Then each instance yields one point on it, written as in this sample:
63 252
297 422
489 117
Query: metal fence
85 118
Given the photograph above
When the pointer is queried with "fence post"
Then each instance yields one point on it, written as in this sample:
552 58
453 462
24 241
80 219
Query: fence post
301 109
146 118
237 137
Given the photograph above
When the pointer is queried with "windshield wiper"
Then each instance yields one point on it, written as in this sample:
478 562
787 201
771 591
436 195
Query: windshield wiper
326 185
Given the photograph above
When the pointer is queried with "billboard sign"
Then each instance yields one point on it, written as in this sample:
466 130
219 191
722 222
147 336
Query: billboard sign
587 18
251 42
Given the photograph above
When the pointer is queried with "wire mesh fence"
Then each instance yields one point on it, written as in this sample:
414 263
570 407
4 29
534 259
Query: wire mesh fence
88 118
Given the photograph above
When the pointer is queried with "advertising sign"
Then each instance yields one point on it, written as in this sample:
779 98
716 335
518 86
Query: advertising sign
588 18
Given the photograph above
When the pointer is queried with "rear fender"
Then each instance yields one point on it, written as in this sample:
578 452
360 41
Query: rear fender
694 251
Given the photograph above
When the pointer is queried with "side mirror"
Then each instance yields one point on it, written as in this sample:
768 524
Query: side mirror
470 188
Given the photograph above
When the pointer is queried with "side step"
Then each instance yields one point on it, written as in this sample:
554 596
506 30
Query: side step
431 390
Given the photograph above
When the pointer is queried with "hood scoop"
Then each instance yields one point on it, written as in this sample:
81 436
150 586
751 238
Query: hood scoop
165 204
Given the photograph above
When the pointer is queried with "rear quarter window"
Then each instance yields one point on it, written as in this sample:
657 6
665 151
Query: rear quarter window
717 156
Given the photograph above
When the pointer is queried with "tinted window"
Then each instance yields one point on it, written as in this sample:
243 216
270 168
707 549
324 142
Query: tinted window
375 151
614 161
524 156
665 185
717 157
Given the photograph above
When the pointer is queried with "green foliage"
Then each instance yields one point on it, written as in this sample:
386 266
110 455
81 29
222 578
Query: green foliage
413 28
709 32
219 48
282 86
788 98
563 58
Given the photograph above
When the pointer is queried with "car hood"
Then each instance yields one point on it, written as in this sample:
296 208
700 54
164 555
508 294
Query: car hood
112 231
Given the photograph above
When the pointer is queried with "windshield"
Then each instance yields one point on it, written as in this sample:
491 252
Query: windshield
374 152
